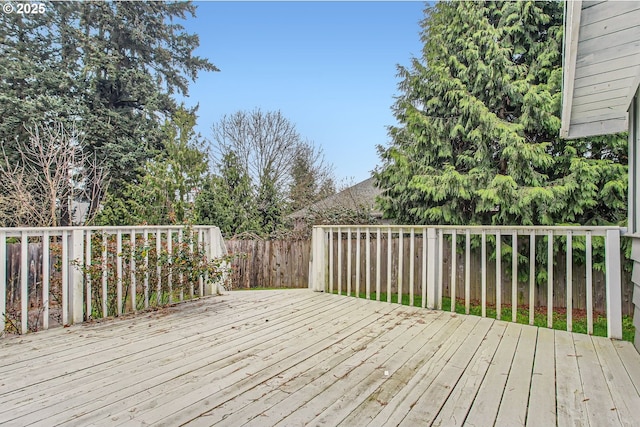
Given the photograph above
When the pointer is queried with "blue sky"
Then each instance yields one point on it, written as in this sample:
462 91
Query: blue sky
329 67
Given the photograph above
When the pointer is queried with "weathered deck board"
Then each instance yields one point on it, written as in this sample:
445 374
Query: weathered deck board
227 362
427 407
598 400
515 399
542 402
625 399
571 409
455 410
484 408
296 357
397 408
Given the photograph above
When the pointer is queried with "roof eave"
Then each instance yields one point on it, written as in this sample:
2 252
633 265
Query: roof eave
573 11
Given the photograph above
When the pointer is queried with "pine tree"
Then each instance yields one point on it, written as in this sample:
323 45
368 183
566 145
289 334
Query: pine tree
479 122
311 178
166 190
269 204
227 199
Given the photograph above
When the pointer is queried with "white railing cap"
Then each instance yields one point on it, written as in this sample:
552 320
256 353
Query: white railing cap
478 229
37 231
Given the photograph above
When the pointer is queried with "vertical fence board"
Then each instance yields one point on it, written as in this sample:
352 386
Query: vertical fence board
159 268
46 278
467 273
424 268
389 256
550 280
64 288
412 255
400 263
330 260
191 286
454 269
145 240
105 273
118 272
378 266
514 276
357 291
440 272
498 276
569 296
368 263
24 282
132 271
349 254
532 276
339 261
199 243
170 262
483 267
589 283
87 277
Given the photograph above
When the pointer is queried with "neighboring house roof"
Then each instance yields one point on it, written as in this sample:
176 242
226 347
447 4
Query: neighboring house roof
362 194
601 66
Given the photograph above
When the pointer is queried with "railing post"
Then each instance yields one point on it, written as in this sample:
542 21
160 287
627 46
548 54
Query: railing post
76 264
317 282
87 250
330 233
613 284
210 250
432 271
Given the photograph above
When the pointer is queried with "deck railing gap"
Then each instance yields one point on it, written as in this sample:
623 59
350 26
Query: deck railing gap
431 277
77 272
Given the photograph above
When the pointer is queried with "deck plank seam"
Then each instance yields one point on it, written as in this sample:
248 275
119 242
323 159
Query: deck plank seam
173 378
330 320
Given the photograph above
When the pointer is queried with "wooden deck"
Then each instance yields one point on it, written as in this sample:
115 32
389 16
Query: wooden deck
289 358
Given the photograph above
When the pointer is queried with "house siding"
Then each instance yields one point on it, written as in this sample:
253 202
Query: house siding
635 278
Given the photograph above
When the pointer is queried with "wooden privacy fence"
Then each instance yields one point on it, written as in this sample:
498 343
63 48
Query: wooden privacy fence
421 261
285 264
70 274
270 263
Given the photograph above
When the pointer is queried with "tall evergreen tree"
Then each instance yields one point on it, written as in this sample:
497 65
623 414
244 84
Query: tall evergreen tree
269 204
110 68
311 178
479 121
166 191
227 199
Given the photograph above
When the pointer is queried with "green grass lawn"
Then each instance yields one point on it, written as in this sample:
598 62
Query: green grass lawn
540 316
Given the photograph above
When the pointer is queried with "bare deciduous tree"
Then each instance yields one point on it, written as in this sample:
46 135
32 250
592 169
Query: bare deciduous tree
53 171
268 145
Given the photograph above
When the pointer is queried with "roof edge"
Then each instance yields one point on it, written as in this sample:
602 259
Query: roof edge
573 12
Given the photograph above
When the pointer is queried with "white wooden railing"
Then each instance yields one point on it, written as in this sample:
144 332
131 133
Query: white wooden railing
426 275
75 250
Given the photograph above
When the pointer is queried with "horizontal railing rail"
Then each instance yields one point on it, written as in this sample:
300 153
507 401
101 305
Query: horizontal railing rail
84 272
385 259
